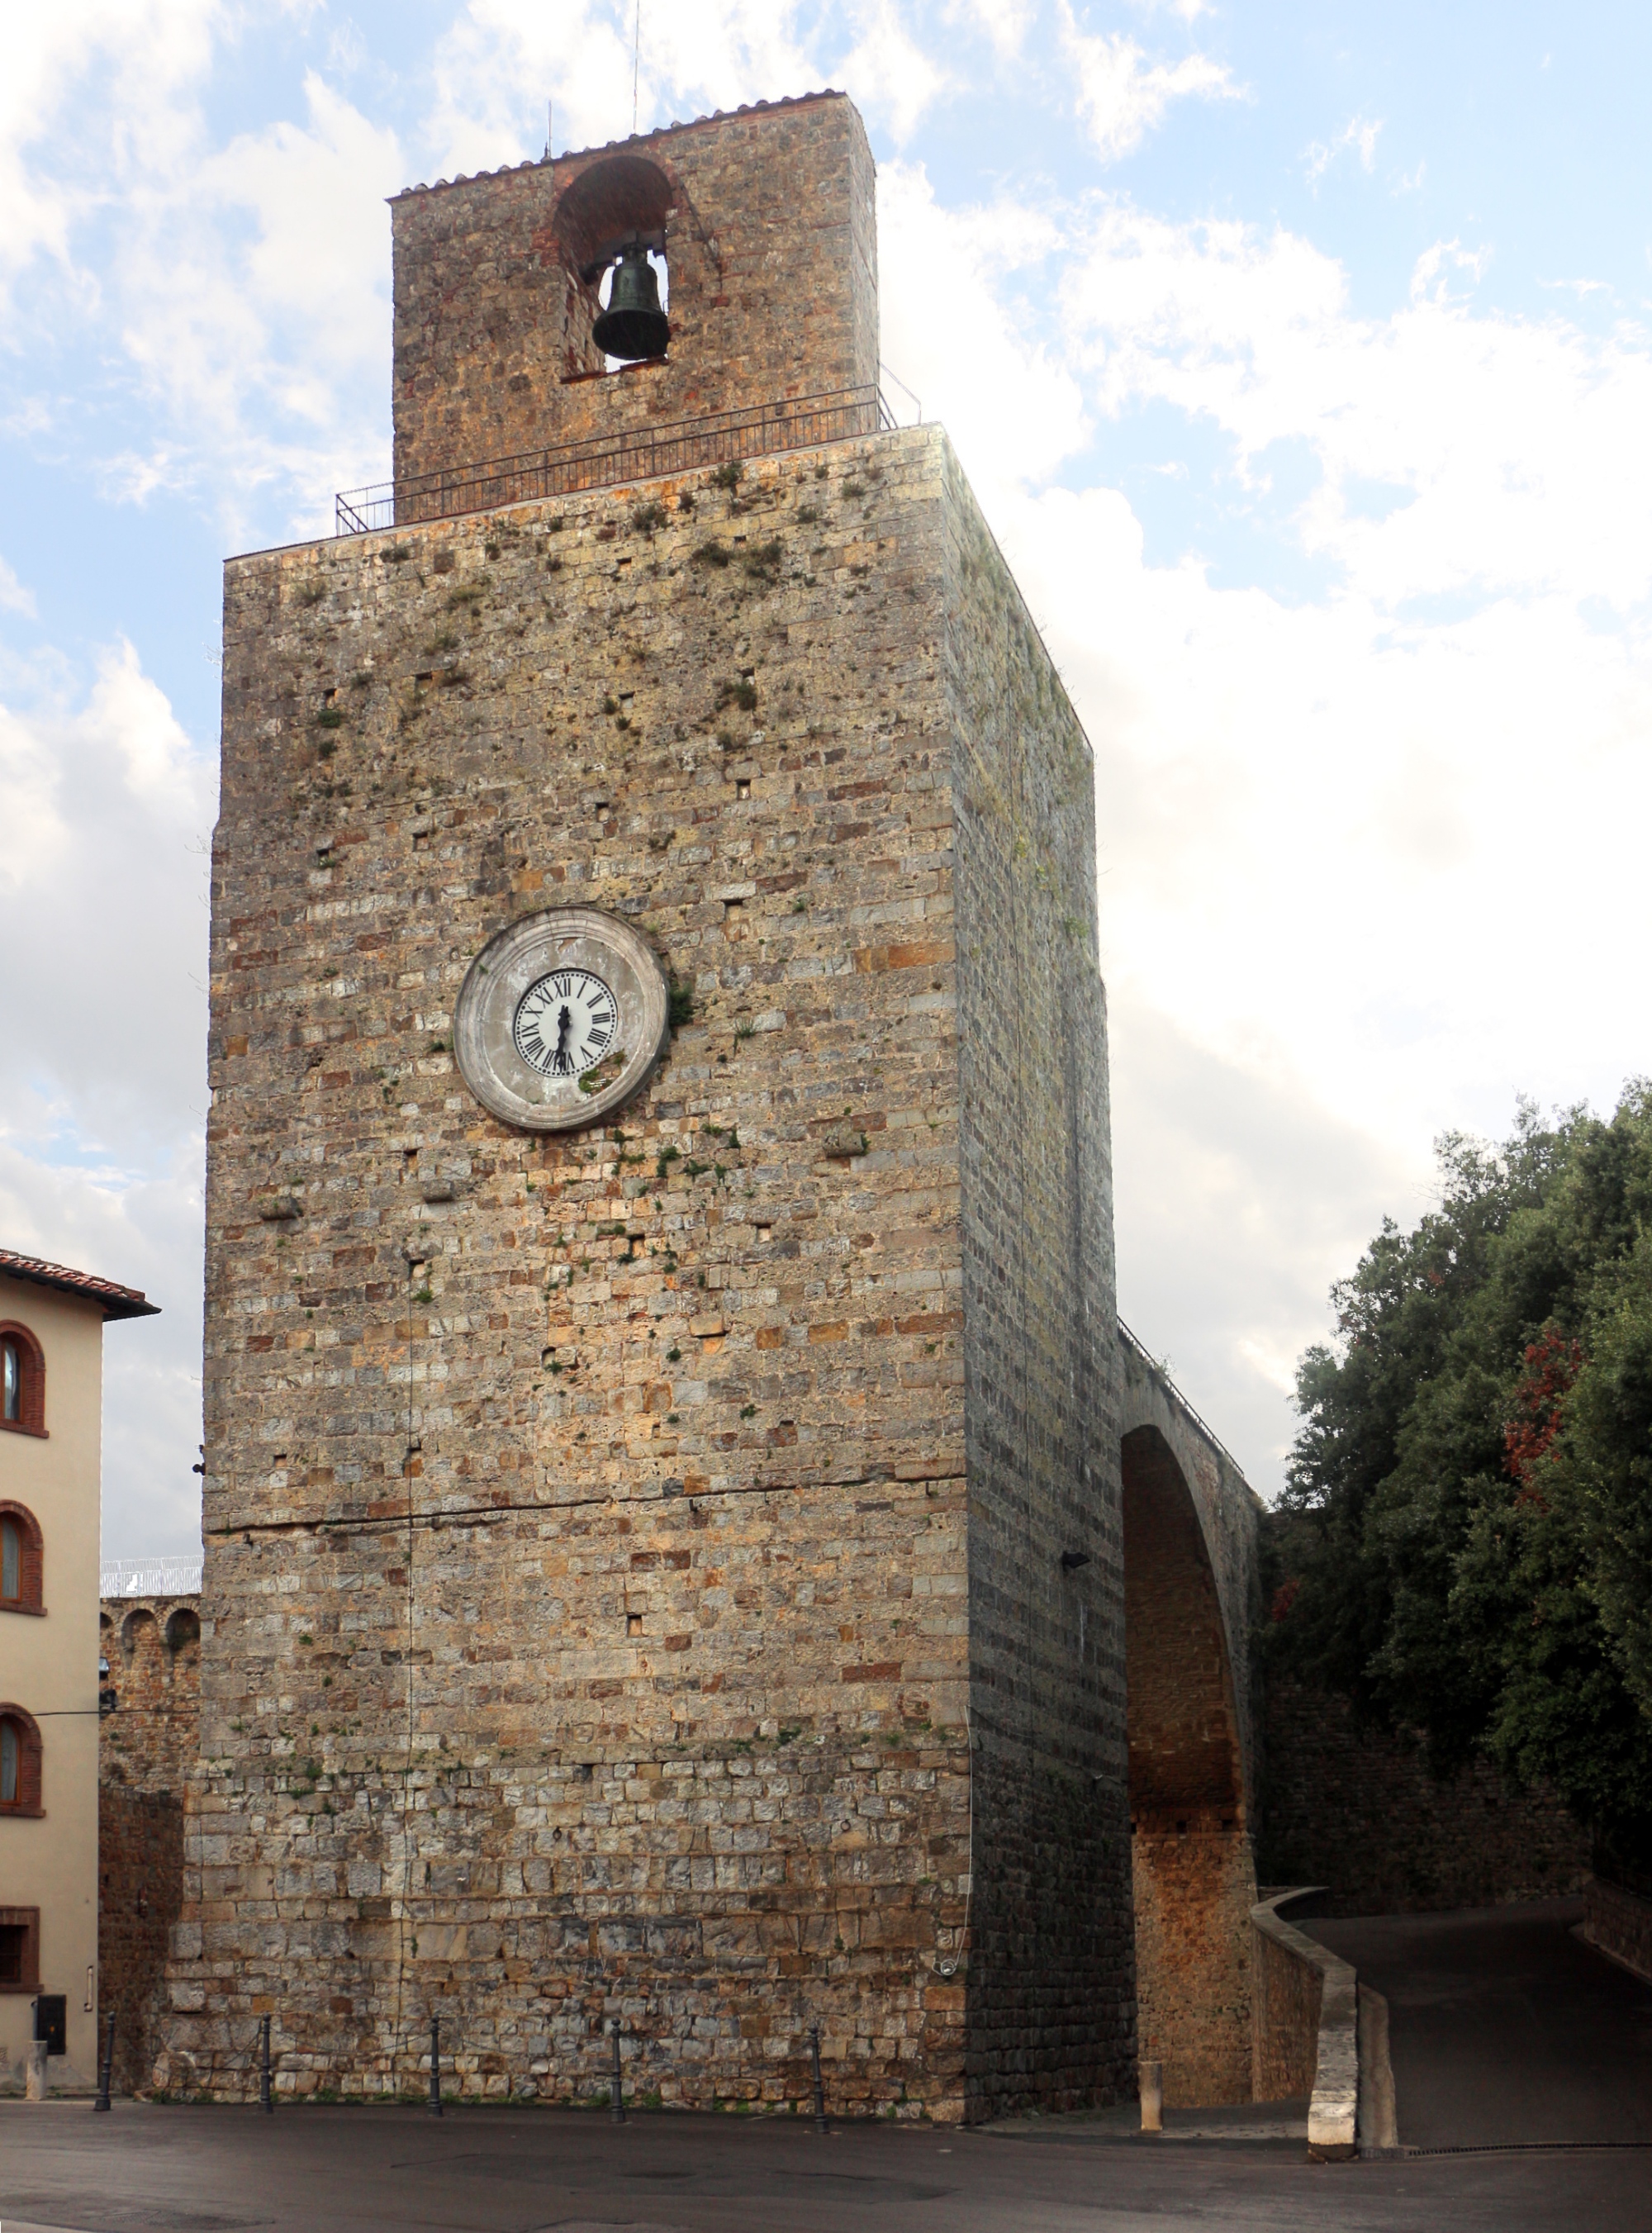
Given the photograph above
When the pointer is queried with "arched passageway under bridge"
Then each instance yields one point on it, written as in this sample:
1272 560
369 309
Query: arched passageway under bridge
1190 1592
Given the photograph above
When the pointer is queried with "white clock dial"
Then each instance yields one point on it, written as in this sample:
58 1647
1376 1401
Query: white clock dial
565 1022
561 1019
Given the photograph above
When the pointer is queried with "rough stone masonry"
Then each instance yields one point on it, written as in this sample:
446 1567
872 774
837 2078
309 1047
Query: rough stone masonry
635 1588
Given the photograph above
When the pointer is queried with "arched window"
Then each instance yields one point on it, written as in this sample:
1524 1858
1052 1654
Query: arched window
183 1630
21 1562
612 218
20 1779
22 1381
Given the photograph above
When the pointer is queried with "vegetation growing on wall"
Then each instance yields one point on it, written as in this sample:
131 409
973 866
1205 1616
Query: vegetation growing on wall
1465 1546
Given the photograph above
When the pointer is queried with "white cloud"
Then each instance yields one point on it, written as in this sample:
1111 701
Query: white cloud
1002 368
14 595
54 165
102 1063
1330 815
1122 95
1358 137
502 60
244 286
1371 856
1005 22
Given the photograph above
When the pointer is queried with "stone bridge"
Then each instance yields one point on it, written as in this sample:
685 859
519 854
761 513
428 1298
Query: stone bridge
1192 1598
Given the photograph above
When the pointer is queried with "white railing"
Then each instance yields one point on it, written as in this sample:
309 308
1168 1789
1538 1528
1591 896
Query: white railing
151 1577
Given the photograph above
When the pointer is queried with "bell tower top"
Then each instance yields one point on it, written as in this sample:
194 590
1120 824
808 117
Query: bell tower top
764 222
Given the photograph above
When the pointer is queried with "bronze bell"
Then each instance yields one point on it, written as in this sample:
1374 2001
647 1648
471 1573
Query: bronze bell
634 325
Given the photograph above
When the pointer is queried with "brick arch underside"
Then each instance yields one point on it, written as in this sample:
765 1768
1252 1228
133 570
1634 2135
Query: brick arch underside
1193 1875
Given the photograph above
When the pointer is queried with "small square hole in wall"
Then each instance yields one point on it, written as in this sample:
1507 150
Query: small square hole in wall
600 807
328 697
409 1158
765 1233
634 1623
742 788
734 907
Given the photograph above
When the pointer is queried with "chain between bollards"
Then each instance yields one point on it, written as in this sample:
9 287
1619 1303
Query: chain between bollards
435 2067
821 2122
616 2096
266 2101
106 2078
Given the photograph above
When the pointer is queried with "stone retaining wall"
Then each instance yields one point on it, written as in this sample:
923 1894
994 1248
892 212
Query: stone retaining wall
1619 1922
1359 1811
1306 2024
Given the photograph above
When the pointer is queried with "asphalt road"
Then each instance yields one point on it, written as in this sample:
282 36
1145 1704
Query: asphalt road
1504 2030
389 2171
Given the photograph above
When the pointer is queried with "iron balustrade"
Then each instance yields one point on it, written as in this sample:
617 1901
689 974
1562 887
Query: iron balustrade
717 438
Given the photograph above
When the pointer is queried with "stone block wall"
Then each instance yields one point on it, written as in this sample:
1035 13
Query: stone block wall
147 1734
1358 1810
1288 1992
770 222
1050 2012
589 1585
1619 1922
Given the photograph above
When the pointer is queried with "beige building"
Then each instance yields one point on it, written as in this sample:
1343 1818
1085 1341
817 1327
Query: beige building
51 1393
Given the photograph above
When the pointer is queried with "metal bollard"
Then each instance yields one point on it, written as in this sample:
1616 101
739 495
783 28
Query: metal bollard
266 2101
822 2123
106 2076
1152 2083
435 2067
617 2097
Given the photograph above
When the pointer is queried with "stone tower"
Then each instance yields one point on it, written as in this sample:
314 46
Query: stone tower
666 1571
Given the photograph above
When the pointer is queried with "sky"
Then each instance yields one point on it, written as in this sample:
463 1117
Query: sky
1301 357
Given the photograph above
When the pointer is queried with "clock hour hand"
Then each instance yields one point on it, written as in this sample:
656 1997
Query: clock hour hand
561 1061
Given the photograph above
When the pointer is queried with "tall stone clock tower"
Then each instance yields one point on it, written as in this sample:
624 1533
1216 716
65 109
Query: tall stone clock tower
662 1504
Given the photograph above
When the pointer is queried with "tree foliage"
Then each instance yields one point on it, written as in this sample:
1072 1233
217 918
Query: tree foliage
1465 1544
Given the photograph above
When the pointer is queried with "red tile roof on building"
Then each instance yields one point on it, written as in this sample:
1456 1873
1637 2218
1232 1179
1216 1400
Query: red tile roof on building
115 1302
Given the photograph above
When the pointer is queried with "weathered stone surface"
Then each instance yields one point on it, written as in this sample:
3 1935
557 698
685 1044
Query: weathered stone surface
1357 1809
600 1565
769 226
147 1741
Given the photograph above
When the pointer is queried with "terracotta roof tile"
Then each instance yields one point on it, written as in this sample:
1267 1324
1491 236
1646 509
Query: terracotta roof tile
635 139
116 1302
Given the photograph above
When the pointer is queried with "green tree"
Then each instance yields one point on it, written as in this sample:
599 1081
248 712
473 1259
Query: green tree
1465 1544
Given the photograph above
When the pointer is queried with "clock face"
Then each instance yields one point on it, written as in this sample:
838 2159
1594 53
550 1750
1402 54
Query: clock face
561 1019
565 1022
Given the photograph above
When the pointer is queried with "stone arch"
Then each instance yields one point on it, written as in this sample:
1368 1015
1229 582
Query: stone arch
1193 1872
610 204
143 1661
183 1634
140 1633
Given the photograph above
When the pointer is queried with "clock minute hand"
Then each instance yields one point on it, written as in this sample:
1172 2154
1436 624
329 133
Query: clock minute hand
564 1026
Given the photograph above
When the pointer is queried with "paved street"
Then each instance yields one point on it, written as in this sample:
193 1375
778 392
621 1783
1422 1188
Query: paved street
372 2170
1504 2028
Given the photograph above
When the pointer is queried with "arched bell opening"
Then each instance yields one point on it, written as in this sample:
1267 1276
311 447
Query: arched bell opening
610 230
1193 1870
